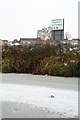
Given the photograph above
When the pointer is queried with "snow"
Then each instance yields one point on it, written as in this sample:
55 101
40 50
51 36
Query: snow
64 104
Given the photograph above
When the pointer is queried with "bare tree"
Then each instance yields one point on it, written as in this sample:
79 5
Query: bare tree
67 35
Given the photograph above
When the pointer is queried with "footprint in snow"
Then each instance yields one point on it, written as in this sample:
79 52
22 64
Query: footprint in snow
52 96
15 109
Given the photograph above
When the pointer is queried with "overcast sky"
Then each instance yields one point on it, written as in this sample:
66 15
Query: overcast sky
22 18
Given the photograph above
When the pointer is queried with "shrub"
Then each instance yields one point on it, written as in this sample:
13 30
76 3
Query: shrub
40 59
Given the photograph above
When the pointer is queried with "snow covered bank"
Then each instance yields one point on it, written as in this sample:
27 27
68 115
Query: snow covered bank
35 96
40 80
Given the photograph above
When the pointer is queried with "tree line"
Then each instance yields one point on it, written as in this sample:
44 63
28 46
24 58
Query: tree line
55 60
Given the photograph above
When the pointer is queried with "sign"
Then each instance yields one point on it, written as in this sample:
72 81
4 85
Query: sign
57 24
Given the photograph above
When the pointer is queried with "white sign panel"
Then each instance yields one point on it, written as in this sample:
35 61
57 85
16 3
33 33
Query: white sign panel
57 24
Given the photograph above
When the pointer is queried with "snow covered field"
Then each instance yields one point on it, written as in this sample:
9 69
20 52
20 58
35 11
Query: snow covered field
29 96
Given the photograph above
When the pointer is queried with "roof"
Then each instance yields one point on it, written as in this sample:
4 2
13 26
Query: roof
27 39
5 40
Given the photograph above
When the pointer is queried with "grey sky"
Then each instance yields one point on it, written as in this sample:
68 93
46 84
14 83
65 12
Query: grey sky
22 18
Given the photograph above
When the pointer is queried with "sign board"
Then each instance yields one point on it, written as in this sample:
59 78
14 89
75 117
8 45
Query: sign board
57 24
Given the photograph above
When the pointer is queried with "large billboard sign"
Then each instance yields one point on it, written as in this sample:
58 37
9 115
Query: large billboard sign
57 24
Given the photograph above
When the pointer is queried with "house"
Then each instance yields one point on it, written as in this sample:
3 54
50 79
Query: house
3 42
72 42
27 41
15 42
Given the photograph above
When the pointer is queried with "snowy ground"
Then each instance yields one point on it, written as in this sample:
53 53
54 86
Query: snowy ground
27 96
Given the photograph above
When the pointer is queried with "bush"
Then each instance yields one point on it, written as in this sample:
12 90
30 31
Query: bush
6 66
40 59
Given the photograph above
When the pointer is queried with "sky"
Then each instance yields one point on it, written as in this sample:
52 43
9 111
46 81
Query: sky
22 18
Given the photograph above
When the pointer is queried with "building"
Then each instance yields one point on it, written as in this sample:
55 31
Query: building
53 32
3 42
27 41
72 42
15 42
57 32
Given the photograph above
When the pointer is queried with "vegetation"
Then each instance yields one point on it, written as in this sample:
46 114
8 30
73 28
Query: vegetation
41 59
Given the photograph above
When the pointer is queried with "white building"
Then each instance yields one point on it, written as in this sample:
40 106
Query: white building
72 42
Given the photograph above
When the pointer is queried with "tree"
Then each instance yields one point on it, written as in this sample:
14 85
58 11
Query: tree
67 35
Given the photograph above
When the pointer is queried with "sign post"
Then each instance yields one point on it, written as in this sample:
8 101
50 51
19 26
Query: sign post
57 32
